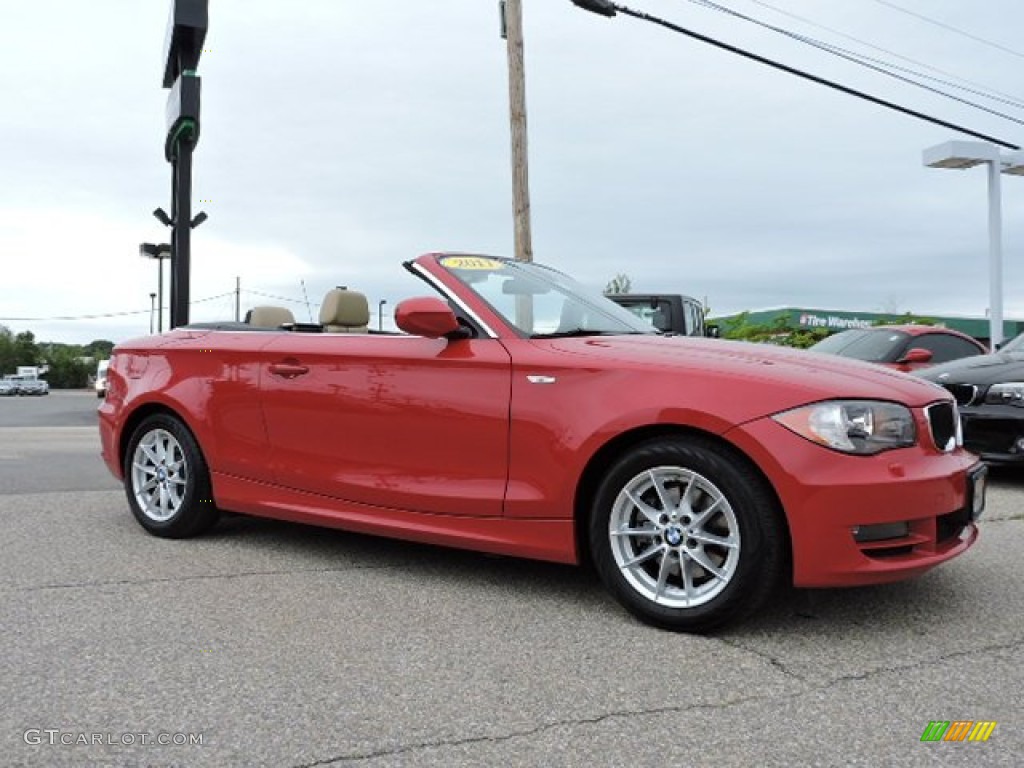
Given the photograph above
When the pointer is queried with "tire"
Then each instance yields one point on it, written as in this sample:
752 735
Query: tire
166 479
685 536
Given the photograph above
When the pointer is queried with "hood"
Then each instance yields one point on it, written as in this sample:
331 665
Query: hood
781 374
982 370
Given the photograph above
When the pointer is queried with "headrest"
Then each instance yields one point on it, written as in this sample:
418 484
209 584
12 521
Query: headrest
269 317
342 307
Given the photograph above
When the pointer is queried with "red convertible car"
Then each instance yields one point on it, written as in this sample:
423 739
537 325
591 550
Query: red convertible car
520 413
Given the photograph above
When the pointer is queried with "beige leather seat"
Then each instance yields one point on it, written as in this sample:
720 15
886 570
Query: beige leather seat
345 311
269 317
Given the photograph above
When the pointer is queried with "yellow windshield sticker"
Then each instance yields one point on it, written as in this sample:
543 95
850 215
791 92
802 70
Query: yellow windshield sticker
469 262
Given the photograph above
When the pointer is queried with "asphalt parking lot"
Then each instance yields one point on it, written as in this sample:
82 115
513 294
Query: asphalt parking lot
282 645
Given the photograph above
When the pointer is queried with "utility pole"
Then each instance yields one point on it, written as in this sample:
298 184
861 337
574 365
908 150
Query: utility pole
238 298
512 31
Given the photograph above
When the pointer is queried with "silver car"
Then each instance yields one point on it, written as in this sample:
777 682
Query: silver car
30 385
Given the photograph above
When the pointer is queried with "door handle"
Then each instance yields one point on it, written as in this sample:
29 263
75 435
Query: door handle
288 370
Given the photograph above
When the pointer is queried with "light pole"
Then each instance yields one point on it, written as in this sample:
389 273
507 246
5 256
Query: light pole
380 314
152 308
959 155
183 46
159 252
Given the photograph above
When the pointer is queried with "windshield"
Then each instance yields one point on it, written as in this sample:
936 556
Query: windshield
878 346
540 302
1016 346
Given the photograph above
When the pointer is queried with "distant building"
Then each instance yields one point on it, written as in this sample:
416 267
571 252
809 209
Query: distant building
835 320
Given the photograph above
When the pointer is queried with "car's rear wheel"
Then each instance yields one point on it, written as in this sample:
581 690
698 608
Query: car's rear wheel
686 535
167 480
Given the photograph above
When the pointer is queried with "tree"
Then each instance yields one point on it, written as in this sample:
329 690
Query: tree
8 357
778 332
100 349
26 351
68 368
618 284
907 318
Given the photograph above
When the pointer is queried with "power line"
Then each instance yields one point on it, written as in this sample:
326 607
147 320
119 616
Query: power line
1017 100
876 65
101 315
273 296
74 317
606 8
949 27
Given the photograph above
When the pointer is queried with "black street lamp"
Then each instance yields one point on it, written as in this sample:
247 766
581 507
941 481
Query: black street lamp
183 45
158 251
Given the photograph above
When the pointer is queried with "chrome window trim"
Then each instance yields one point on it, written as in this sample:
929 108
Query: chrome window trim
324 334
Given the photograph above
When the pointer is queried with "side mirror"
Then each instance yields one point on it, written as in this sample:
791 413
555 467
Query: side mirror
426 316
712 331
916 355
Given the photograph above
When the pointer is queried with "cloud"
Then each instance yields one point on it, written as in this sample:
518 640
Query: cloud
340 139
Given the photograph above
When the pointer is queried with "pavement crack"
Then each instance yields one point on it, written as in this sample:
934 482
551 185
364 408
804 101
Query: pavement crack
776 663
203 577
772 660
665 710
539 729
942 659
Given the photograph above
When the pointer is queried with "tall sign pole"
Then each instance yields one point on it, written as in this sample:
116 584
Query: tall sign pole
512 27
186 33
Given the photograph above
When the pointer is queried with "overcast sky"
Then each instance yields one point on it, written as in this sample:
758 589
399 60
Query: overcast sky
340 138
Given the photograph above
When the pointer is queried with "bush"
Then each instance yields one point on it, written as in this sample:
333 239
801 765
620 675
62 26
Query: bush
779 332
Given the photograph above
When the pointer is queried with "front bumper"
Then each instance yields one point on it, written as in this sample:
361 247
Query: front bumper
923 497
994 432
108 440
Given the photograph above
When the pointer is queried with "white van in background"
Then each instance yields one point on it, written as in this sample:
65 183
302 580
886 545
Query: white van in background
101 378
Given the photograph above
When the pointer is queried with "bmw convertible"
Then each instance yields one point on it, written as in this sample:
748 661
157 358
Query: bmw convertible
517 412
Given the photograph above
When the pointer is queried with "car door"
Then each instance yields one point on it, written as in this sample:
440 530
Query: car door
944 347
390 420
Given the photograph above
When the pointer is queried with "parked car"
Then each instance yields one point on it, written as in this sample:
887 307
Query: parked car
101 378
990 392
668 312
903 347
29 385
523 414
9 387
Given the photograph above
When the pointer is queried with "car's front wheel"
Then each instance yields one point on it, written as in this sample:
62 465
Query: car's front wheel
167 480
686 535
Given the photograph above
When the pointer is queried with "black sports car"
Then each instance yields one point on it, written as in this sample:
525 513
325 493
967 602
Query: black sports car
990 392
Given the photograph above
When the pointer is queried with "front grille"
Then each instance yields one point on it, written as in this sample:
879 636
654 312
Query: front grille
890 552
943 420
964 393
992 436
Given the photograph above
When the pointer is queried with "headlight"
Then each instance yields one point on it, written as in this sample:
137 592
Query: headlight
1010 393
862 427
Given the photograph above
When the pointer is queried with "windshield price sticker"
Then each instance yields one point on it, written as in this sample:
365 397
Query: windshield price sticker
470 262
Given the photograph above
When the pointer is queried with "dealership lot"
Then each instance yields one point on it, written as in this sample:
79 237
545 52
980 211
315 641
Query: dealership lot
277 644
